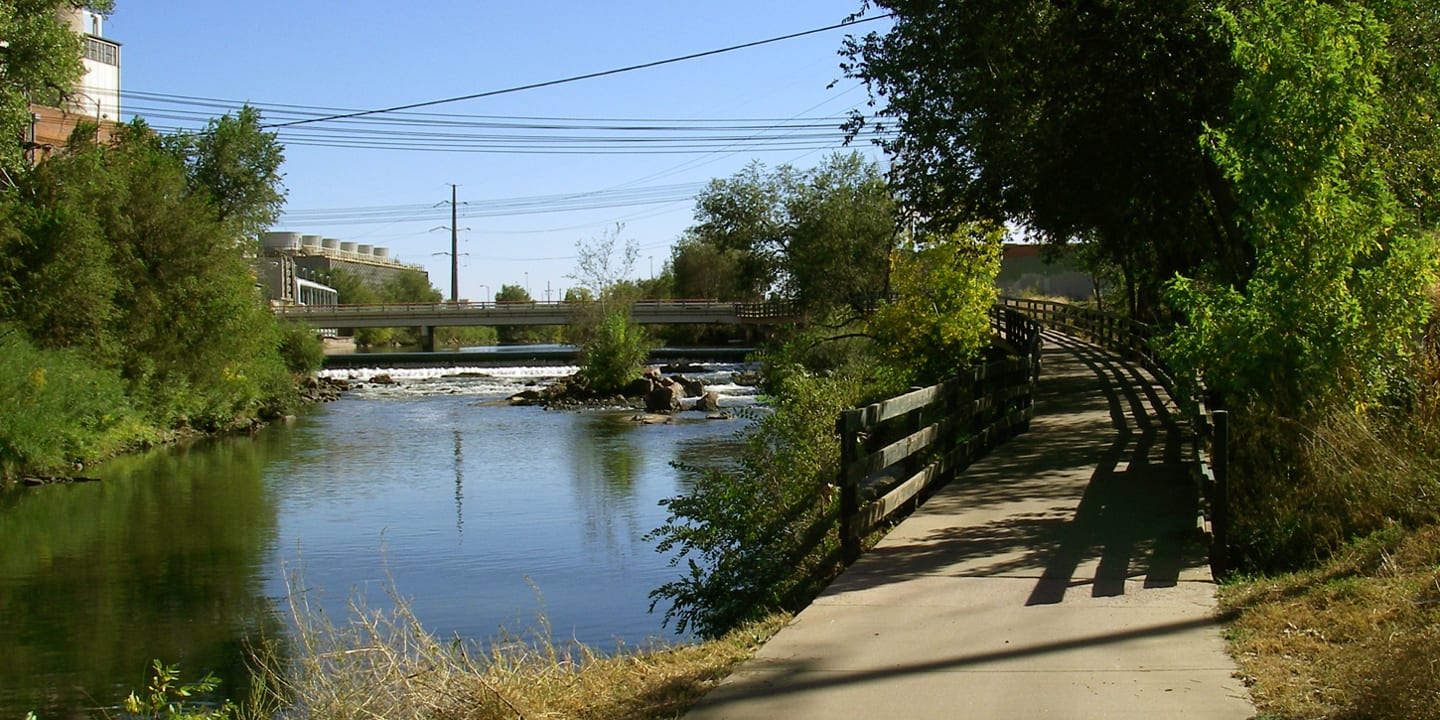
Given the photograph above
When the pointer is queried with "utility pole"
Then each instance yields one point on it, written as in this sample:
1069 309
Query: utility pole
454 246
454 253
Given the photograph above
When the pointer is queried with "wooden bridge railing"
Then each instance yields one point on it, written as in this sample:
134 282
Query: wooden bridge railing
1134 339
893 451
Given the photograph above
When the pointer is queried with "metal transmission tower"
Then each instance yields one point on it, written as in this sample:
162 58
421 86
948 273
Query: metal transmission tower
454 253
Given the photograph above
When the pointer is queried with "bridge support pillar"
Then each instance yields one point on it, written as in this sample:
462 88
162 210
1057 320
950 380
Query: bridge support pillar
427 339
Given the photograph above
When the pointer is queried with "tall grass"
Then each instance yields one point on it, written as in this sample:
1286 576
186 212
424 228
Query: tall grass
1357 637
55 408
1303 488
385 664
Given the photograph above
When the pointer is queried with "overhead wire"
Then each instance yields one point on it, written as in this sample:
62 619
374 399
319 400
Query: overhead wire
399 128
578 78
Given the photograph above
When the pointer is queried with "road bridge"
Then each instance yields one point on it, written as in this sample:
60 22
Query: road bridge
429 316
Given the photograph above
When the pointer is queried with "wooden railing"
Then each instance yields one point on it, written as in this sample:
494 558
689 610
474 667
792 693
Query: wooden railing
1133 339
893 451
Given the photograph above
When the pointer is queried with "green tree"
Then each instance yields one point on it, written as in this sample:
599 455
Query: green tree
939 318
1079 121
1340 265
39 63
57 278
703 270
613 347
237 164
172 305
521 334
819 237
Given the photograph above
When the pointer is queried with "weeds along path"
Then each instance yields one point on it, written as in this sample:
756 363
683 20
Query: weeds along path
1061 576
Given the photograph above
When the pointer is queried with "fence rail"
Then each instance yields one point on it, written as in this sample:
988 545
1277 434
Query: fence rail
1134 339
893 451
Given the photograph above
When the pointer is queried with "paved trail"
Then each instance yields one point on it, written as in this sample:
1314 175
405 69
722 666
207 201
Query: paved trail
1059 577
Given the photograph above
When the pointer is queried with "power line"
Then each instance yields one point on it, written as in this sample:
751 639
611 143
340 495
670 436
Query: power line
576 78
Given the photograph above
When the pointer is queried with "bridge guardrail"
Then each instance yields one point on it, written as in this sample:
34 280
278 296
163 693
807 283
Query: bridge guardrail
751 312
893 451
1211 427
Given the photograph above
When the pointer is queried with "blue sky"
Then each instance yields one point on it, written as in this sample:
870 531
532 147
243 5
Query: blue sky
366 55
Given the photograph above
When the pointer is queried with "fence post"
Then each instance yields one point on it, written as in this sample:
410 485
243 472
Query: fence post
847 426
1220 502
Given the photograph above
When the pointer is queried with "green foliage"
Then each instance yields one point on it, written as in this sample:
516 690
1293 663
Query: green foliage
408 286
615 353
1077 120
300 348
1337 292
237 165
762 537
819 237
167 698
703 270
521 334
1320 337
614 347
467 336
41 61
55 408
939 318
110 251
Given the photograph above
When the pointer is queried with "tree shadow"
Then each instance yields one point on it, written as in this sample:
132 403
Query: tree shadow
1134 518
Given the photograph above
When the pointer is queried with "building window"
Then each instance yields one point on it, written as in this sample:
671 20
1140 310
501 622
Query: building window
102 51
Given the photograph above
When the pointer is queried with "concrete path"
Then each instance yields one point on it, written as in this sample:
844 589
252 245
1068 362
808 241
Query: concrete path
1059 577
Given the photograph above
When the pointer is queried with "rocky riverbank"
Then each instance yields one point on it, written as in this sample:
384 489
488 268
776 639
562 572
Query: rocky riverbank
656 393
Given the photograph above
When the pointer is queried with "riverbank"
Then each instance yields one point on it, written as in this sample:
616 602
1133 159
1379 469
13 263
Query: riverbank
388 665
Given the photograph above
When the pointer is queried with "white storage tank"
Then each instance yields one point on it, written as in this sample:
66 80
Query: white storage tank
330 243
281 241
310 242
382 253
348 246
365 249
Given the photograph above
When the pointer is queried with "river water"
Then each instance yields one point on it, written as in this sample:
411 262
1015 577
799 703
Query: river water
482 514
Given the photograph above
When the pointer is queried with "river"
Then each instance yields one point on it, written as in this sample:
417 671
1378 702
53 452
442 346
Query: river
482 514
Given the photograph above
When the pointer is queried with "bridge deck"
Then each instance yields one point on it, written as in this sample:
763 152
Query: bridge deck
1060 576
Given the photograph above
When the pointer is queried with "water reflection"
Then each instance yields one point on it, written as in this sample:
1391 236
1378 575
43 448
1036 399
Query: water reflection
467 508
459 484
96 580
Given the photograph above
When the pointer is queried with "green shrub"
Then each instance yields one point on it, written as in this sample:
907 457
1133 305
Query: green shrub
763 537
301 350
166 698
616 351
55 408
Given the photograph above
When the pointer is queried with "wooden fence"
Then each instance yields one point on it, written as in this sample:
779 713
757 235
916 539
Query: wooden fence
893 451
1132 339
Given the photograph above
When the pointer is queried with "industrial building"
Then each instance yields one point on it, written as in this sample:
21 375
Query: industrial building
94 99
290 262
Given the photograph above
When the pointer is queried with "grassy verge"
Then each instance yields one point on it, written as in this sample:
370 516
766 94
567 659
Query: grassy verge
385 664
1358 637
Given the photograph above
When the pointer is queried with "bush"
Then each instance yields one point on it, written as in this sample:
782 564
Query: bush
615 353
1300 493
54 408
763 537
301 350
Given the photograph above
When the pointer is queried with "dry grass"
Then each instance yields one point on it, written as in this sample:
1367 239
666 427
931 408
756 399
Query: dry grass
386 665
1356 638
